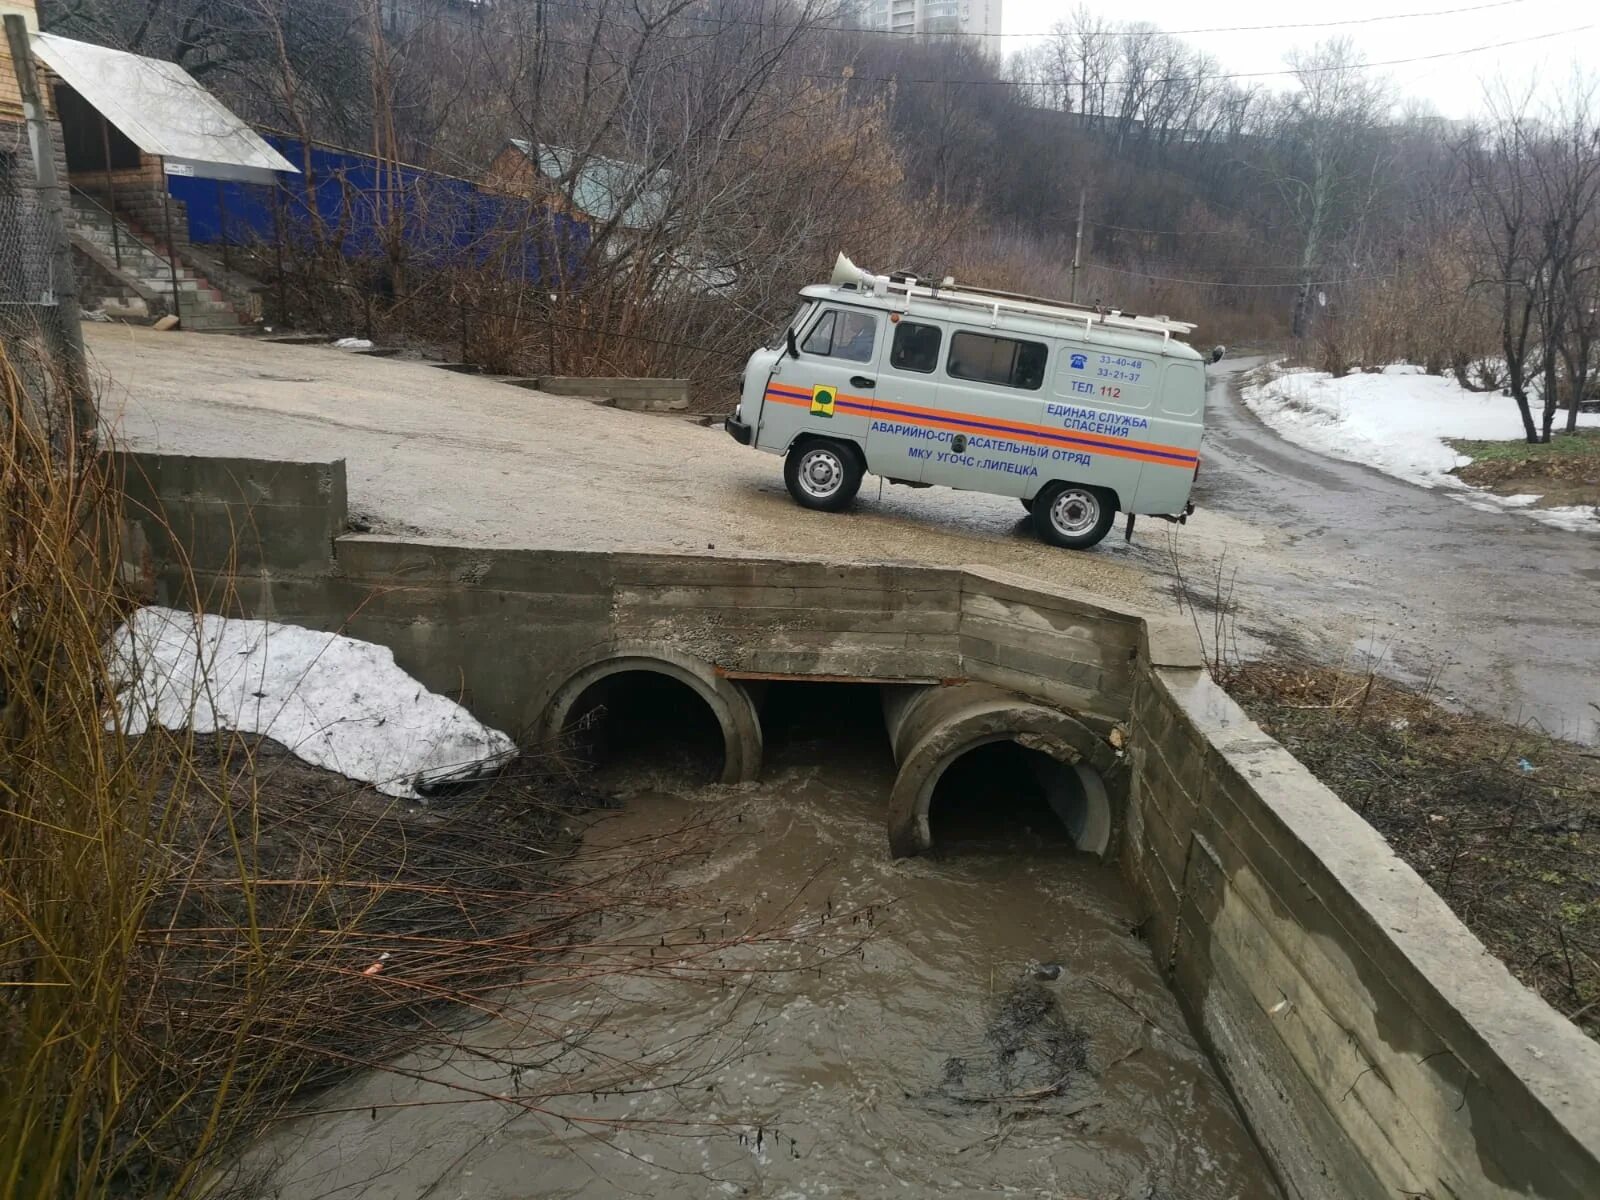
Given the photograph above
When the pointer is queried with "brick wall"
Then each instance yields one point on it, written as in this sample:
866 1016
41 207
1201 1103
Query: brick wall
141 196
10 97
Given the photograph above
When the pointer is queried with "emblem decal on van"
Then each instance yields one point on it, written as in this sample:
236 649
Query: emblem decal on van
1080 361
822 400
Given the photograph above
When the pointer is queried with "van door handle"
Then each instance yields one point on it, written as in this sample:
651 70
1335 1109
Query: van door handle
861 381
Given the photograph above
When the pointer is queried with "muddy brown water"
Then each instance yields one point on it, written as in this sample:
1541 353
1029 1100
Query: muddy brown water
901 1042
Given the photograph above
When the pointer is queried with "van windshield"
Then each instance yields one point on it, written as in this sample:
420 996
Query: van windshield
780 338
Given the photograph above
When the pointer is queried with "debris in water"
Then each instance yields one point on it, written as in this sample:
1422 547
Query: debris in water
1047 972
1032 1053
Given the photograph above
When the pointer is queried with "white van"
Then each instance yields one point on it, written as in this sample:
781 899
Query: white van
1078 413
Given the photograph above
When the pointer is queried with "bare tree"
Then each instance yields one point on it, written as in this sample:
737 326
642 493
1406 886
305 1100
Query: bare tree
1535 188
1509 248
1566 174
1328 159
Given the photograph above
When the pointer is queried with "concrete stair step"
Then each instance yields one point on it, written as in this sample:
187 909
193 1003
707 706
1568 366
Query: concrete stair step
147 260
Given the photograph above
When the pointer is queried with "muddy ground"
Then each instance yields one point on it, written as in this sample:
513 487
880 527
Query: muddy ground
1562 472
1502 821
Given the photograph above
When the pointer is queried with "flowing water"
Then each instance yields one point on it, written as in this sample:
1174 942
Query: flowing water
982 1022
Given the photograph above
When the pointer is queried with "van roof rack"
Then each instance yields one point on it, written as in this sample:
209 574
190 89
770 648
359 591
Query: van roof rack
847 274
1115 318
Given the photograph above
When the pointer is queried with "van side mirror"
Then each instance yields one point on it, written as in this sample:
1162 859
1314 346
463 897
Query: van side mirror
794 347
1217 352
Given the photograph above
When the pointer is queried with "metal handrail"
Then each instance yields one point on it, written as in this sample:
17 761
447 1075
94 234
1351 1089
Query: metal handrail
116 225
170 262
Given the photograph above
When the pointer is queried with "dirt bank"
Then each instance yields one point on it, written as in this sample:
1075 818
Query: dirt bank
1501 820
1562 472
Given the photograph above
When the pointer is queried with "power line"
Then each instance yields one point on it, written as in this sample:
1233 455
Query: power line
617 18
849 76
1288 283
1126 33
1133 33
1219 76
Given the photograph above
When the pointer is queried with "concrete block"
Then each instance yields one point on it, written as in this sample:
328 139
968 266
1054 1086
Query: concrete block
380 558
750 621
1167 830
1359 918
985 580
1086 676
1049 615
1075 646
1166 642
1296 1128
635 395
1087 704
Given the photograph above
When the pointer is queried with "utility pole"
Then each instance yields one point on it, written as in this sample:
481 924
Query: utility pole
63 286
1077 244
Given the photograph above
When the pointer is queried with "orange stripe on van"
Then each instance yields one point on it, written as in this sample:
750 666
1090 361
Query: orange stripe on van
1169 456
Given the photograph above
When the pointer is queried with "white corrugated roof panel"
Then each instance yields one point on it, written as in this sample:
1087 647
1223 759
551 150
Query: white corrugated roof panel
605 185
162 109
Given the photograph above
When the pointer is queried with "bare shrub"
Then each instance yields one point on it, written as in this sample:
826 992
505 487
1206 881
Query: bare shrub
197 931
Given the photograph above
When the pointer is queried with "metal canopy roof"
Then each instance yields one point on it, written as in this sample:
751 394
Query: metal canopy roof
162 110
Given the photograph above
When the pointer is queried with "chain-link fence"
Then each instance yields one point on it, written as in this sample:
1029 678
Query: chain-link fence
32 331
26 286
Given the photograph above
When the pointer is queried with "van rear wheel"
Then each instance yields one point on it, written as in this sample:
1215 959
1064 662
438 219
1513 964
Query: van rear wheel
1073 515
823 474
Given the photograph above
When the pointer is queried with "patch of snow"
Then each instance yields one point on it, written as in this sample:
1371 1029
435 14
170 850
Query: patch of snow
353 343
1577 518
336 702
1396 421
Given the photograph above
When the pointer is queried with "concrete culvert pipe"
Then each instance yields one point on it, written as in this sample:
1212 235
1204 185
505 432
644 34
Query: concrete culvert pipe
931 729
615 667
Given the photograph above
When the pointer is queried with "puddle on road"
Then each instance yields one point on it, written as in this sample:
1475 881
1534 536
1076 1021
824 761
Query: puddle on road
931 1055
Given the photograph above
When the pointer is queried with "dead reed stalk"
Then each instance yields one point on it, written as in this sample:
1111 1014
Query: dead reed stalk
198 931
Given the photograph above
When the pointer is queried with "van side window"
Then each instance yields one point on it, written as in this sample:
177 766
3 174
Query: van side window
843 334
1005 361
915 347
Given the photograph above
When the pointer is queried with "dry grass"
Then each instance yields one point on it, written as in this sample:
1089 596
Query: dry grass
1503 821
196 933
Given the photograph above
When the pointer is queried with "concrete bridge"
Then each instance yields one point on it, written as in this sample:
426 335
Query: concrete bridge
1375 1047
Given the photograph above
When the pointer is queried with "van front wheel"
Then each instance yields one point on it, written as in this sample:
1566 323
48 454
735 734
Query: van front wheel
1073 515
822 474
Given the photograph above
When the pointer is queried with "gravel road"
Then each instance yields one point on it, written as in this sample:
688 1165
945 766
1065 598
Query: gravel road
1323 557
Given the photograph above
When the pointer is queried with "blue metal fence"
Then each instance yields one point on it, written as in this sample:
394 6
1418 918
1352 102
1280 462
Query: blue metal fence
351 199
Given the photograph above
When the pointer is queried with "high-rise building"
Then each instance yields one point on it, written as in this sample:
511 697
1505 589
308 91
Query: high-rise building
932 16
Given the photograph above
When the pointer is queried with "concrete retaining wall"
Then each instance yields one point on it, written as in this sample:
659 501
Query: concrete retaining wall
504 629
1374 1045
1377 1049
636 395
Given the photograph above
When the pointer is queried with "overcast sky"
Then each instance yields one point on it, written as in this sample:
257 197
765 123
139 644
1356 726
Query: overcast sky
1454 86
